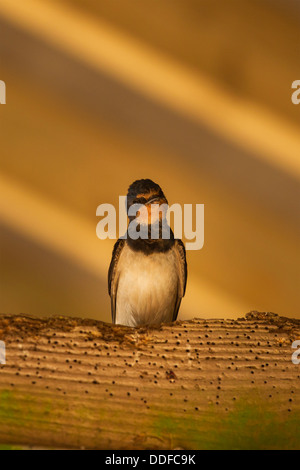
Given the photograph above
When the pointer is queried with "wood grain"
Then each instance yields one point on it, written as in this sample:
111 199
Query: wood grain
199 384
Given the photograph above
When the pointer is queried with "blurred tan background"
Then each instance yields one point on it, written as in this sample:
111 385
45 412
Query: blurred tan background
195 94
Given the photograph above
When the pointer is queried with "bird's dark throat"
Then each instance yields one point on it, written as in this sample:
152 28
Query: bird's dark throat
151 245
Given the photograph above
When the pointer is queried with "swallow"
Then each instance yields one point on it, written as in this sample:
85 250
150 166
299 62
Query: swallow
147 275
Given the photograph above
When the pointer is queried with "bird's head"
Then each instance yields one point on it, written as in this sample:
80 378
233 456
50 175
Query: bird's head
151 197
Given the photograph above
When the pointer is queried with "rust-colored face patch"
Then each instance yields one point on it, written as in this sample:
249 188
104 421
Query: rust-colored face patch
148 195
153 212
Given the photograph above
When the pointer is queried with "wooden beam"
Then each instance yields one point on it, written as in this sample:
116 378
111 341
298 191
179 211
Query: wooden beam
199 384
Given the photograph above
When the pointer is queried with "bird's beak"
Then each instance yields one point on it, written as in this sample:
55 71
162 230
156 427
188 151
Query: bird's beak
153 200
157 200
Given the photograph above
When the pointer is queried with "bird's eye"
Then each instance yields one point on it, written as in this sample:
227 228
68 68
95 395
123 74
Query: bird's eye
140 200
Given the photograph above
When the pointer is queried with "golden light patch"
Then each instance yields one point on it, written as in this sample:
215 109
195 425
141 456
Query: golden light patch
148 195
151 213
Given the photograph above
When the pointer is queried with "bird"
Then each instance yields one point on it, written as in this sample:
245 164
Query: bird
147 276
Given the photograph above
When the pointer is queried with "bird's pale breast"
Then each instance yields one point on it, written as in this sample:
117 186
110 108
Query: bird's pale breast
147 287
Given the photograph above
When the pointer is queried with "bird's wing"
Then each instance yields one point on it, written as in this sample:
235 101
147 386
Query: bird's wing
182 270
112 276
